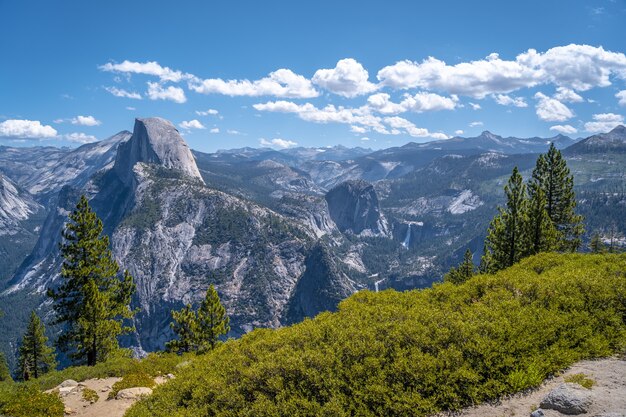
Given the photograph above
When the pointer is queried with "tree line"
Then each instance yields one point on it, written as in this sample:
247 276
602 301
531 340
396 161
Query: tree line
92 306
539 216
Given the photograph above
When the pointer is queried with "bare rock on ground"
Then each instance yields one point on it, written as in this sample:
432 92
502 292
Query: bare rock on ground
568 398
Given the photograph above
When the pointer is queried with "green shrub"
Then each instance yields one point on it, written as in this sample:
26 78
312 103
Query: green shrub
90 395
138 378
580 379
414 353
19 400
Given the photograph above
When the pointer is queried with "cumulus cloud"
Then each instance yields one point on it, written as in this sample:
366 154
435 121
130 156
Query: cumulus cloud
85 121
215 130
280 83
347 79
622 97
26 129
157 92
278 143
475 124
209 112
146 68
576 67
357 129
506 100
80 138
567 95
551 110
118 92
191 124
564 129
458 132
604 122
418 103
410 128
475 106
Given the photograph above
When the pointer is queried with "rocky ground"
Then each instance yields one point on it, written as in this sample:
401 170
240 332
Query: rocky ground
606 398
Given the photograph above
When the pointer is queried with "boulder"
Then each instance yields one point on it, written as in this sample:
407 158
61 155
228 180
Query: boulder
133 393
68 383
568 399
537 413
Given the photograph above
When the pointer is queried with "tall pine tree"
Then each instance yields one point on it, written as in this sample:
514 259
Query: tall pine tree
552 175
91 302
212 320
185 326
35 356
507 237
463 272
542 235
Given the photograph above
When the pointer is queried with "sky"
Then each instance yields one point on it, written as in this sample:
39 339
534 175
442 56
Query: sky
281 74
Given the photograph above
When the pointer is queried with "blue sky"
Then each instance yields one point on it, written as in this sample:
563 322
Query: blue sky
270 73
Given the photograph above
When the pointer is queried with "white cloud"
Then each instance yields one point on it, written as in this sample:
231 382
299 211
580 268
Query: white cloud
80 138
347 79
118 92
215 130
358 129
576 67
604 122
365 138
85 121
233 132
410 128
475 124
564 129
157 92
278 143
130 108
622 97
505 100
209 112
146 68
567 95
280 83
191 124
381 103
475 106
417 103
24 129
551 110
458 132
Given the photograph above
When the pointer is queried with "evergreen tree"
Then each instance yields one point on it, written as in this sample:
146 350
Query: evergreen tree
542 235
212 320
5 373
507 237
463 272
596 245
552 175
35 356
185 326
92 302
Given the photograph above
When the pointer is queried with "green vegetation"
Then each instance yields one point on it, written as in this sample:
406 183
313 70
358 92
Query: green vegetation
92 302
89 395
414 353
19 400
199 331
580 379
5 373
139 378
463 272
35 356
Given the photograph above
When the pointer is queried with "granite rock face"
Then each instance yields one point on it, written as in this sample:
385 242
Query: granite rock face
353 206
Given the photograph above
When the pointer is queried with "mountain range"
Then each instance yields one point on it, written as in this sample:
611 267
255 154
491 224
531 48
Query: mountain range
282 234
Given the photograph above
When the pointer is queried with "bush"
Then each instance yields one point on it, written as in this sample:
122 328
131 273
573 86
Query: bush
138 378
18 400
91 396
580 379
414 353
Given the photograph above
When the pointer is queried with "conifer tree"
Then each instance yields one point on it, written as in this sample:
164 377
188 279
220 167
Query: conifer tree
35 356
596 245
213 321
542 235
91 302
185 326
552 175
5 373
463 272
507 237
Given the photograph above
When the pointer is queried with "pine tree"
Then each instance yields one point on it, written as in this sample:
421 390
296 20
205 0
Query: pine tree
35 356
542 235
92 302
212 320
463 272
596 245
507 237
185 326
552 175
5 373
